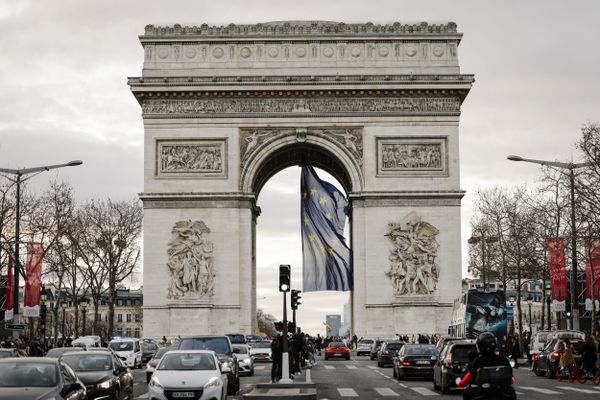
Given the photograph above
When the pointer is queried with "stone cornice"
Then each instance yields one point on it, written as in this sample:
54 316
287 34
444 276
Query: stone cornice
304 29
422 194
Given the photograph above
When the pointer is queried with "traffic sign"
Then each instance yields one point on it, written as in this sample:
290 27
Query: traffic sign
15 327
509 312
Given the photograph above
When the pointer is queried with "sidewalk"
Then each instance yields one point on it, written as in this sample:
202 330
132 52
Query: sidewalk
301 389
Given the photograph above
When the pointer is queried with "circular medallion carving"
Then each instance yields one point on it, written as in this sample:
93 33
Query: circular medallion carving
438 52
163 52
300 52
190 52
384 51
245 52
411 51
218 52
273 52
328 52
355 51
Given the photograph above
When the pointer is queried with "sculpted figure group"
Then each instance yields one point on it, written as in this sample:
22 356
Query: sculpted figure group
191 267
411 156
413 269
191 158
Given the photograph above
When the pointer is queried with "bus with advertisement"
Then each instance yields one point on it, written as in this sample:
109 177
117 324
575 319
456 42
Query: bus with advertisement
477 311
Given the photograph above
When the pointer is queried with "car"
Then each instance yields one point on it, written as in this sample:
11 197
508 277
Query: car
188 374
254 338
129 350
237 338
59 351
8 353
364 347
87 341
415 360
537 342
148 351
225 352
451 363
387 352
104 375
245 360
546 362
153 361
336 349
261 351
444 341
39 378
375 346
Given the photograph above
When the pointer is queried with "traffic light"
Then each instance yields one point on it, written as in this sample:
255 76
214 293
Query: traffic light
295 299
284 278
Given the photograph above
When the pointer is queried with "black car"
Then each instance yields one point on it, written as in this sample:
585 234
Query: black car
451 363
546 362
387 353
375 347
148 351
237 338
102 373
415 360
32 378
221 345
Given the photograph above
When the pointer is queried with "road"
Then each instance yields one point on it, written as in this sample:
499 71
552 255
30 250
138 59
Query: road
360 378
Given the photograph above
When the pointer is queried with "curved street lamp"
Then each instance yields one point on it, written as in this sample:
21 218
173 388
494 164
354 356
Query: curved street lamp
19 178
574 314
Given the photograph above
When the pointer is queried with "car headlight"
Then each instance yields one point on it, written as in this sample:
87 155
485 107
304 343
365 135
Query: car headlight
245 361
226 366
154 382
104 385
213 382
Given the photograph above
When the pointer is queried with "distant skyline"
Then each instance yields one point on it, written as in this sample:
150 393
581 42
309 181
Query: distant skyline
64 96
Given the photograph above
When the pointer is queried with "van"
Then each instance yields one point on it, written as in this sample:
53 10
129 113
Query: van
129 350
538 340
87 342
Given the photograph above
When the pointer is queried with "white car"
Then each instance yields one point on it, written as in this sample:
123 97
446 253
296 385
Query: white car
129 351
188 374
364 347
245 360
261 351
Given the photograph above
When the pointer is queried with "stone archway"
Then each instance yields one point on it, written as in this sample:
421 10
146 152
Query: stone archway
225 108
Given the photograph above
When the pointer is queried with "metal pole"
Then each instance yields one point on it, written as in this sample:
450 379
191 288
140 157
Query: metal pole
574 283
285 360
483 258
530 322
83 310
548 301
63 326
16 258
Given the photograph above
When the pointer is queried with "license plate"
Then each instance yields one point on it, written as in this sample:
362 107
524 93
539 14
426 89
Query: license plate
423 362
183 395
338 354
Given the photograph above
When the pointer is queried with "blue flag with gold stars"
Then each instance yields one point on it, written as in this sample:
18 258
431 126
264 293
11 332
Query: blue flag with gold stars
327 261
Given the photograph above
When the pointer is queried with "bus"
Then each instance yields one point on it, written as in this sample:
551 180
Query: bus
477 311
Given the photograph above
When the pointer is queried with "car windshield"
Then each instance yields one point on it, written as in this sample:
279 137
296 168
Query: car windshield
187 361
261 345
161 352
121 346
242 349
55 353
368 342
237 338
394 346
149 346
337 344
427 350
85 362
218 345
541 337
28 374
461 353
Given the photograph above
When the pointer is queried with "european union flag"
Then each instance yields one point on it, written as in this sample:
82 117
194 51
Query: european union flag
327 261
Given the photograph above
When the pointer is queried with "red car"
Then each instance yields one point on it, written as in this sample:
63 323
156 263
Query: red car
337 349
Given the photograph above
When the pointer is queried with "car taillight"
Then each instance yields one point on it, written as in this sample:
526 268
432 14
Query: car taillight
449 360
534 356
405 363
555 354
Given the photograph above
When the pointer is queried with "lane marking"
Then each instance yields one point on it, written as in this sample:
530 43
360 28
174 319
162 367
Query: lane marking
308 377
260 367
540 390
386 392
424 391
403 385
371 366
577 389
347 392
329 367
144 396
351 367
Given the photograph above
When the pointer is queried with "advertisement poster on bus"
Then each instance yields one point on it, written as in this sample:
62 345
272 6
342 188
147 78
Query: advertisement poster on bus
486 312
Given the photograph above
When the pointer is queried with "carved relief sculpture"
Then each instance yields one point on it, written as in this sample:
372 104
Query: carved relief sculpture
413 268
190 261
411 156
190 157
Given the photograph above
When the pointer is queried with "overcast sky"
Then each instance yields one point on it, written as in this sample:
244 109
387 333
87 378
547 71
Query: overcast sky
63 96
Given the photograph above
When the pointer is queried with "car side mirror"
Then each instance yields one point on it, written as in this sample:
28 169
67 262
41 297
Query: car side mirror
69 388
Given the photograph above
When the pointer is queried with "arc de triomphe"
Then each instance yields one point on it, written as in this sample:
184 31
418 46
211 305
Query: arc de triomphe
226 107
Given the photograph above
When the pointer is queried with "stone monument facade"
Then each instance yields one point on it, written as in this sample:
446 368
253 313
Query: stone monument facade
226 107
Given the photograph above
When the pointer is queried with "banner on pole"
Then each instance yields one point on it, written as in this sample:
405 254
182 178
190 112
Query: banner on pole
33 280
10 297
558 272
592 274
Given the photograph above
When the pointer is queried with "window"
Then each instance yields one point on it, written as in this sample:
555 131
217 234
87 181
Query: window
128 317
98 317
138 317
120 317
128 302
137 332
128 332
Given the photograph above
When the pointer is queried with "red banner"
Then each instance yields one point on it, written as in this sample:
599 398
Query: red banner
33 279
592 270
558 272
9 307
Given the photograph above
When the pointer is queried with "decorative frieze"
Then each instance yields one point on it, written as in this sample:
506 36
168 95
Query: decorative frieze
300 106
413 268
190 261
192 158
402 156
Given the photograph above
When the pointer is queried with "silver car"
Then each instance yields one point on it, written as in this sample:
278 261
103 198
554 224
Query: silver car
188 374
245 360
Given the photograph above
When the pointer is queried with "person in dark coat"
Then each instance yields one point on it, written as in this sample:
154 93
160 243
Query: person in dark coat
276 355
588 355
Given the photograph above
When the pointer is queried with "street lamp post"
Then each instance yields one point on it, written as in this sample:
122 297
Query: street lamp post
43 296
511 300
63 305
19 178
571 167
529 301
84 303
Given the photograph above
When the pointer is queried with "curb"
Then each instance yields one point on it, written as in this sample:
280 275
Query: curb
292 391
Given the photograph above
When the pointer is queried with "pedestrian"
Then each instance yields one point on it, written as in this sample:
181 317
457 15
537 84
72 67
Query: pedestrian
276 355
567 360
589 356
515 350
